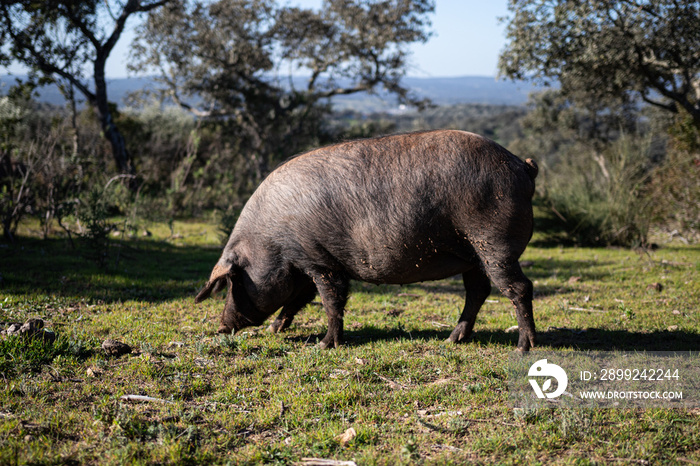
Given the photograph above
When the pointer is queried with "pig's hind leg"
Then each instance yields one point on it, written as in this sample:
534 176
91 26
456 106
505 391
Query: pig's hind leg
286 316
478 287
512 282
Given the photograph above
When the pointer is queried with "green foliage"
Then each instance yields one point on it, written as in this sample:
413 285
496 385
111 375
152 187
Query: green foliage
93 215
604 57
675 186
609 49
13 176
498 122
19 355
596 164
228 220
57 41
196 168
601 196
223 60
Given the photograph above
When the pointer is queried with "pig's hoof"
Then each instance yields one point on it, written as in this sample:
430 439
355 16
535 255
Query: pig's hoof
278 326
459 334
330 342
525 342
274 327
224 329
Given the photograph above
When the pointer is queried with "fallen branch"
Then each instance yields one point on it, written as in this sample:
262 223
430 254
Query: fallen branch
439 324
435 428
143 398
586 310
503 423
391 383
325 462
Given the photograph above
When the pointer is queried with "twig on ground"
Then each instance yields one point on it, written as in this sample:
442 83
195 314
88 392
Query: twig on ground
586 310
392 384
325 462
439 324
143 398
436 428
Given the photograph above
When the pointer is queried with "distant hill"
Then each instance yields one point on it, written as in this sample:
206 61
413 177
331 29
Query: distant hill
442 91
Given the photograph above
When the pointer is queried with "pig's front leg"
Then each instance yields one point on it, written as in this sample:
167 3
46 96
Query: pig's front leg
286 316
333 287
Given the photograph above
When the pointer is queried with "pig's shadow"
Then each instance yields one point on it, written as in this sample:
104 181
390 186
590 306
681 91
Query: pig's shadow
590 339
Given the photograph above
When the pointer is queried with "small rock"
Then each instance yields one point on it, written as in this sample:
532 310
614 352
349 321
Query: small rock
347 436
47 335
176 344
360 361
201 362
676 312
12 329
655 287
31 327
673 328
512 329
115 348
94 372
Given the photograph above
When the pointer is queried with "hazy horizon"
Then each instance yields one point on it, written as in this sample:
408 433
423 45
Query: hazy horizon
467 39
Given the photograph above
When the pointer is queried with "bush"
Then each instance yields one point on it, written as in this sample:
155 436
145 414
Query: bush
93 215
601 196
675 188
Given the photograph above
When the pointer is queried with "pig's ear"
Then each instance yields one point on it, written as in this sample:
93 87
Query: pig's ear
216 283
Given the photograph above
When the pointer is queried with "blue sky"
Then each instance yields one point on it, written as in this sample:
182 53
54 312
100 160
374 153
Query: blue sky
467 39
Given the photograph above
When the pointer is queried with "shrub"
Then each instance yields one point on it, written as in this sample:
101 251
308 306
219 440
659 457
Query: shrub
675 188
93 215
601 196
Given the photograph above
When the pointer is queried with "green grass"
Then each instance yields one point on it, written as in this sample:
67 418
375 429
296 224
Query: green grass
411 397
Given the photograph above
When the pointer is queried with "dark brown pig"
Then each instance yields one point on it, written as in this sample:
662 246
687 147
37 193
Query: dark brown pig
395 209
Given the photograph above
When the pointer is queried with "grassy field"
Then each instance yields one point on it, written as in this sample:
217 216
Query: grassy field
408 396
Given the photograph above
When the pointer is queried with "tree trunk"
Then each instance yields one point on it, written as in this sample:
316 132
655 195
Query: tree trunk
111 132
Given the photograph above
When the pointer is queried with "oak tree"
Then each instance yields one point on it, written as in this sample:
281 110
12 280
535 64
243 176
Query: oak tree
240 61
607 49
69 41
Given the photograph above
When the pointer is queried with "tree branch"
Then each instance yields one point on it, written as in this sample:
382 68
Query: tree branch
77 22
39 60
670 107
130 8
344 90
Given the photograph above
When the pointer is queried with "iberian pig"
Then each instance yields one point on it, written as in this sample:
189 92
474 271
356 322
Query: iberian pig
396 209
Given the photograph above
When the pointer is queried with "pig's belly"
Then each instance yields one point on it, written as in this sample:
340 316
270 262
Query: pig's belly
411 269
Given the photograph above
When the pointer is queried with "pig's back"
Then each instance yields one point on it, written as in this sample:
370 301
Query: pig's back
387 210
